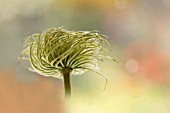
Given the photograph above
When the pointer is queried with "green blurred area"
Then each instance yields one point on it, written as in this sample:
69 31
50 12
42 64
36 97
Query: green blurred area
138 31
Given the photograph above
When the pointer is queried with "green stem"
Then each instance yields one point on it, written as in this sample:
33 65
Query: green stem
67 84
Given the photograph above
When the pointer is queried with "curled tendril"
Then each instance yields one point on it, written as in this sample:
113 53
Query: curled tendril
57 48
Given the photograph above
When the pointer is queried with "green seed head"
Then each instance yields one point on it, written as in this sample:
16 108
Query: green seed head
54 49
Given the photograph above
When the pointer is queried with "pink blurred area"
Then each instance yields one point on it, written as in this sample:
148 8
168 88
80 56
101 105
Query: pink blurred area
146 60
42 96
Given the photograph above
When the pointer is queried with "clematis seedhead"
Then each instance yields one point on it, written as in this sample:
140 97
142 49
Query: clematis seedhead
56 49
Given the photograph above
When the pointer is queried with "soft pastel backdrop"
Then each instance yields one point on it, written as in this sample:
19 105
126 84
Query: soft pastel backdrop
139 33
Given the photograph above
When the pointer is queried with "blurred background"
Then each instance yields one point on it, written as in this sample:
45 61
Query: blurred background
139 33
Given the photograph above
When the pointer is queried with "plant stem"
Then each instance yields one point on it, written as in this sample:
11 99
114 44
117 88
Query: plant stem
67 84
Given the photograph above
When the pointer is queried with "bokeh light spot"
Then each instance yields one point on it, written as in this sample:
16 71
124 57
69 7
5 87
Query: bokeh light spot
132 65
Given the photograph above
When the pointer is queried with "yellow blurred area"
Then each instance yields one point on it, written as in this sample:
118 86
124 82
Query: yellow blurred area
138 32
125 93
101 4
